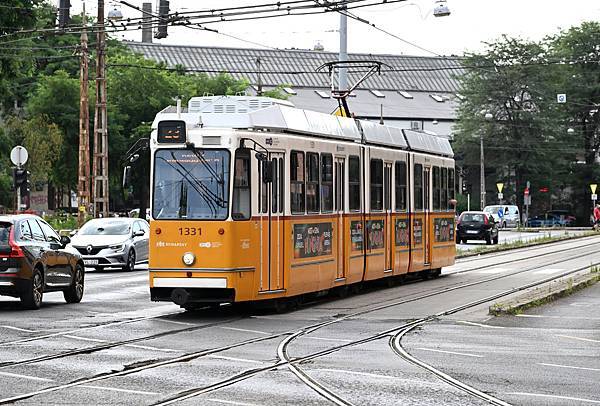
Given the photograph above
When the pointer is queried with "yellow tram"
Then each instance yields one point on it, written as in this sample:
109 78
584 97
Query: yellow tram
253 199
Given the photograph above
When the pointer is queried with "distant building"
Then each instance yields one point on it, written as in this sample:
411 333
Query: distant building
415 92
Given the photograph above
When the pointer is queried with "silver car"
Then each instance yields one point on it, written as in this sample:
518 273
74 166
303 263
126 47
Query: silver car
113 243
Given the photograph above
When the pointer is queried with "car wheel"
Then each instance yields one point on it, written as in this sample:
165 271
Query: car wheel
504 224
130 261
464 240
496 240
32 298
75 292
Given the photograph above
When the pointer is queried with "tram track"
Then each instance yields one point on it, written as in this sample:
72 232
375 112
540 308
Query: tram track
284 359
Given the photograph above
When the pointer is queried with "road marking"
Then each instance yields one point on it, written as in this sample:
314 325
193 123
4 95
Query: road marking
137 392
94 340
557 317
250 361
177 322
345 371
589 340
330 339
230 402
143 347
549 271
493 270
246 331
451 352
19 329
533 316
470 323
569 366
541 395
33 378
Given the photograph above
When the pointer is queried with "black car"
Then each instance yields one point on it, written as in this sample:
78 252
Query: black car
33 260
476 225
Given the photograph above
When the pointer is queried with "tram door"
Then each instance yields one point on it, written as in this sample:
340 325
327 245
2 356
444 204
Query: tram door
272 225
387 200
340 181
426 215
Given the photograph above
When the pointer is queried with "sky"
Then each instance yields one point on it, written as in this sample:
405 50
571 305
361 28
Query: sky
470 25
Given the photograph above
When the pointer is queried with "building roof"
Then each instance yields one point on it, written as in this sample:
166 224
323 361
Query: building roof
298 67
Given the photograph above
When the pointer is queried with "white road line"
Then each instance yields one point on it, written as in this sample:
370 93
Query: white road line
538 316
493 270
451 352
569 367
548 271
470 323
589 340
250 361
344 371
532 316
335 340
94 340
19 329
182 323
143 347
230 402
542 395
32 378
246 331
105 388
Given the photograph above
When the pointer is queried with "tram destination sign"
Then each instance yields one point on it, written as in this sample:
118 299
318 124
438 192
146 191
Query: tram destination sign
171 132
312 240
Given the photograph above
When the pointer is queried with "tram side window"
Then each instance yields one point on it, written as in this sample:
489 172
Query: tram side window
326 183
418 193
275 188
354 183
297 182
241 185
444 202
312 182
451 186
400 186
436 188
376 185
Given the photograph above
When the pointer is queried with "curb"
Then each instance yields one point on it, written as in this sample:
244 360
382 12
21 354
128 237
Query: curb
546 293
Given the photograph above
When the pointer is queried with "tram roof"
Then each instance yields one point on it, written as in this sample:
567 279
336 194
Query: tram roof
263 113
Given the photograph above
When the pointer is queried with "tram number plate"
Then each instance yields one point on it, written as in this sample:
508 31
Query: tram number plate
471 231
90 261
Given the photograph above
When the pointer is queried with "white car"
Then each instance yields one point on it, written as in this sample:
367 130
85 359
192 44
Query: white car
113 243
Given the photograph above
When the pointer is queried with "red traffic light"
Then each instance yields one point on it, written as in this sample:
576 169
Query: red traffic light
543 189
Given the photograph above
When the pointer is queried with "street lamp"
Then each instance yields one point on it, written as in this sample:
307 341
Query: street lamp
488 117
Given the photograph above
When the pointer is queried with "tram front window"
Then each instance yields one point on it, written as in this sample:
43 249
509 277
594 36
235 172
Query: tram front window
191 184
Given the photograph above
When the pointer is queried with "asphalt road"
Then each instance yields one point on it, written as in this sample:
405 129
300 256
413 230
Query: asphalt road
116 347
512 235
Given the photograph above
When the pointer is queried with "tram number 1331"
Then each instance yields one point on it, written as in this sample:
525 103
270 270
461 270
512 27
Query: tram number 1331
190 231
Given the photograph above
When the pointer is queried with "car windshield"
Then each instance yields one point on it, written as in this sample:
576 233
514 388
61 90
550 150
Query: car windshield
4 232
492 209
472 218
104 227
191 184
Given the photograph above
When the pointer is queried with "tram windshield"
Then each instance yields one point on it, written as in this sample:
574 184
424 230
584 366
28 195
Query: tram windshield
191 184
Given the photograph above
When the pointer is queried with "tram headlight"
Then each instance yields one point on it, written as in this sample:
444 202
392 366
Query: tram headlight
189 258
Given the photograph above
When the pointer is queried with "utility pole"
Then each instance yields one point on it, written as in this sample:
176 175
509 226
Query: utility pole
83 184
100 165
482 171
259 88
343 56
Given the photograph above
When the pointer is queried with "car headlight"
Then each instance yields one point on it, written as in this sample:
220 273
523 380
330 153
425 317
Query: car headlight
117 247
189 258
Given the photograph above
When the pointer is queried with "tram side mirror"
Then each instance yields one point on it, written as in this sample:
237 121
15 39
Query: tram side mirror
267 171
126 177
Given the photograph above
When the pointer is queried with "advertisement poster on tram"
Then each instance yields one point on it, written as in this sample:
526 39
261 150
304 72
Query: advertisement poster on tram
312 240
402 233
375 232
444 230
418 231
356 235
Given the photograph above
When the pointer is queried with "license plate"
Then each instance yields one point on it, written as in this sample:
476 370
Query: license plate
90 261
471 231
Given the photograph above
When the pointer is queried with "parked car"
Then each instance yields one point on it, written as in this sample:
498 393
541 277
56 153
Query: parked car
115 242
505 215
546 220
33 261
476 225
136 213
564 215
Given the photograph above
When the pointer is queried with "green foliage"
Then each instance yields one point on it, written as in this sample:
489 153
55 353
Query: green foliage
278 92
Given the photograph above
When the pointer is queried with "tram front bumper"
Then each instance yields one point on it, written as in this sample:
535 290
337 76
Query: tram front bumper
183 291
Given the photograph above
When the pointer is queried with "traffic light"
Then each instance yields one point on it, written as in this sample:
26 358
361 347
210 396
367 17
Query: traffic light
64 17
163 15
465 188
21 180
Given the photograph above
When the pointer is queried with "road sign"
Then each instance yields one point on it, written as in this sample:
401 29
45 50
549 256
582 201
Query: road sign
561 98
528 184
593 187
19 155
527 200
526 192
499 186
500 196
594 197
